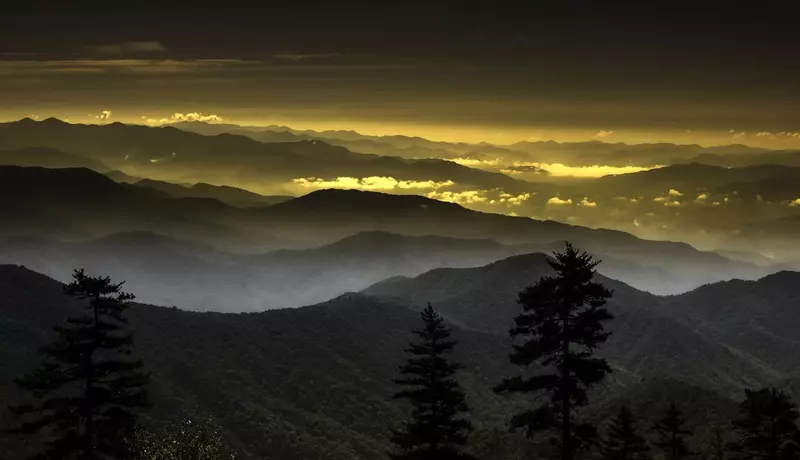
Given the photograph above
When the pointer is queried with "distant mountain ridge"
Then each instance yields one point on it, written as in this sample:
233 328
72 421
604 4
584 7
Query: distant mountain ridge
229 195
587 153
85 205
48 158
167 153
706 335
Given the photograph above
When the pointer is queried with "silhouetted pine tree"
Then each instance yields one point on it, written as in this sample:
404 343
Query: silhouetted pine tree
436 430
671 434
562 322
623 442
767 428
718 447
87 386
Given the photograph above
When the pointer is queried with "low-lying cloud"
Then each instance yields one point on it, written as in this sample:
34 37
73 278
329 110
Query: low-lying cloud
495 200
178 117
385 183
524 169
562 170
475 162
104 115
466 198
558 201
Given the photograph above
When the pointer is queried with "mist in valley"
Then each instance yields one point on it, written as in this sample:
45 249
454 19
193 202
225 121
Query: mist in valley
536 230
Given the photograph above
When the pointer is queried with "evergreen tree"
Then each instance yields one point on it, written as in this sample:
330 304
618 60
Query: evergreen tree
562 322
87 388
437 430
623 442
714 442
671 434
718 447
767 428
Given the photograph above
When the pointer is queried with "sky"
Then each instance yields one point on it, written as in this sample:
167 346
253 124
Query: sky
702 72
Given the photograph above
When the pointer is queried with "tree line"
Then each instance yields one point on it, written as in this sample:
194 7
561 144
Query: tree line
89 389
560 328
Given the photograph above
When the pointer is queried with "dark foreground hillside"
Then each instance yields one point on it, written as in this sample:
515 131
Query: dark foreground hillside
316 382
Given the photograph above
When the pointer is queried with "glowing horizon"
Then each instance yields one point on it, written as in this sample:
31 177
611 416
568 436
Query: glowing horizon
502 136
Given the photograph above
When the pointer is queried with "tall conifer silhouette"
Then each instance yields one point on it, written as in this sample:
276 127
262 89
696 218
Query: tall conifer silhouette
88 387
437 429
671 434
767 428
562 324
623 441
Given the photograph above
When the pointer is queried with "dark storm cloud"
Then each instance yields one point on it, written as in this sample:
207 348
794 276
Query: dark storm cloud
601 64
126 48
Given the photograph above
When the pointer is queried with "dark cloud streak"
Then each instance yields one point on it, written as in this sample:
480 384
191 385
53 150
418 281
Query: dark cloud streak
600 64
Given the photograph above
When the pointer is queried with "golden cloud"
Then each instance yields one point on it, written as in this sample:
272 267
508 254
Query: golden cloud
369 183
524 169
104 115
467 197
179 117
562 170
586 203
558 201
475 162
514 199
783 135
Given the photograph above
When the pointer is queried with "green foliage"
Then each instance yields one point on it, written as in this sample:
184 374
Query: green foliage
436 429
767 427
562 322
192 437
88 387
671 434
623 441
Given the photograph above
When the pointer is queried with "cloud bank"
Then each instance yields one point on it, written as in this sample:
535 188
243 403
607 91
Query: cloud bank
179 117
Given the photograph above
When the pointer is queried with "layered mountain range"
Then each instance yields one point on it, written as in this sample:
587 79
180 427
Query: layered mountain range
316 381
298 262
745 203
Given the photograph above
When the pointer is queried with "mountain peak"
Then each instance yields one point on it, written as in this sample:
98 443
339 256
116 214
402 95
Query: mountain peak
337 200
53 121
522 261
784 278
